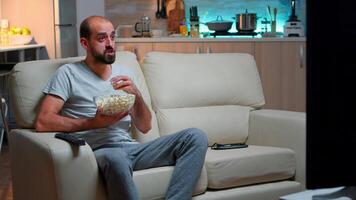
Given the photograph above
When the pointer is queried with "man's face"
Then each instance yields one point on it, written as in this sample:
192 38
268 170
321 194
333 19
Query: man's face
101 43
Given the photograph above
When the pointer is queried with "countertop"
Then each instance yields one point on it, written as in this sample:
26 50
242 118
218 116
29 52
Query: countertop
20 47
211 39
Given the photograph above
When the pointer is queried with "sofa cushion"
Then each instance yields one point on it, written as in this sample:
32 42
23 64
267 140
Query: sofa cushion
149 189
177 80
222 124
251 165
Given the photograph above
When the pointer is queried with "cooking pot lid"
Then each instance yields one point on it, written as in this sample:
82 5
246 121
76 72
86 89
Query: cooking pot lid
219 19
246 12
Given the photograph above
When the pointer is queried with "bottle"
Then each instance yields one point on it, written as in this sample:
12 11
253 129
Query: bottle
194 22
4 28
183 29
194 27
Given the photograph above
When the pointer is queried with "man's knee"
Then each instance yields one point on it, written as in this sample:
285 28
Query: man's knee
198 136
116 163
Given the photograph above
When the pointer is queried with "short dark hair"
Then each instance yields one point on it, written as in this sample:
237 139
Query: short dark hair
84 30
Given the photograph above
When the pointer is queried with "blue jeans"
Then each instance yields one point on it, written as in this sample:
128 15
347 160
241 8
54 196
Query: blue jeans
185 149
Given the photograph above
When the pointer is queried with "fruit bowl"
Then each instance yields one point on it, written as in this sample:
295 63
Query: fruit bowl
20 39
115 103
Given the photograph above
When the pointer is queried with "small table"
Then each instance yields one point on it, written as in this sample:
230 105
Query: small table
308 194
21 49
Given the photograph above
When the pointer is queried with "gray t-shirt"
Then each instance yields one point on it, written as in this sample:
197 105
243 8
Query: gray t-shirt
77 85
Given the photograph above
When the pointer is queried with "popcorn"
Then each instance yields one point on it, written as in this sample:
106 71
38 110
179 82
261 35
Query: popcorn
115 103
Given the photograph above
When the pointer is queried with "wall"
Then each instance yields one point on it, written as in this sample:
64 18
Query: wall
86 8
37 16
130 11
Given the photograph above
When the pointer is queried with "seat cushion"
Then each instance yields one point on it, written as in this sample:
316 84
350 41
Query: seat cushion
251 165
222 124
153 183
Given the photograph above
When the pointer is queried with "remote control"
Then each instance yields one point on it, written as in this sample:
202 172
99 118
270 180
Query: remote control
70 138
217 146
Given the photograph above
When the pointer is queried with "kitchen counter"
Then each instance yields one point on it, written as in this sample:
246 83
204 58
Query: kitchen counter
211 39
20 47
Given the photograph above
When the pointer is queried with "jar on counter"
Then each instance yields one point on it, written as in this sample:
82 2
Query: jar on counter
183 29
194 26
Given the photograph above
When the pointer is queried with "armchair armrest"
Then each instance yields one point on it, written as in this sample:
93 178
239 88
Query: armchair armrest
46 168
281 129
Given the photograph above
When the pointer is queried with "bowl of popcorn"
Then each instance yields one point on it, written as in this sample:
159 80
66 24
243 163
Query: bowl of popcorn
115 103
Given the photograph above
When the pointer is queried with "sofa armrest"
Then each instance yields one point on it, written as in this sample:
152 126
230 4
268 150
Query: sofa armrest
46 168
281 129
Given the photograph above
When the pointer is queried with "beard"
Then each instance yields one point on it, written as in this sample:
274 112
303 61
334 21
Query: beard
105 57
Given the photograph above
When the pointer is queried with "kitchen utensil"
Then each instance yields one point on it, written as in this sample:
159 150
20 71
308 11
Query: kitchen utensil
269 12
193 11
144 26
158 14
275 14
246 21
219 24
163 13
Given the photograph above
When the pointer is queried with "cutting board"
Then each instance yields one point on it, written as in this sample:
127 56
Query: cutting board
175 16
171 4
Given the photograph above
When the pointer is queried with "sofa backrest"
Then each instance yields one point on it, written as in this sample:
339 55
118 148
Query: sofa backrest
214 92
29 78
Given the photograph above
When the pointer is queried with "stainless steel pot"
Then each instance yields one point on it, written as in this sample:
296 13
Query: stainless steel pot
246 21
219 25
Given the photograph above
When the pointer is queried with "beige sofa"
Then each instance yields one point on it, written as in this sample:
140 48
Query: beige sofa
219 93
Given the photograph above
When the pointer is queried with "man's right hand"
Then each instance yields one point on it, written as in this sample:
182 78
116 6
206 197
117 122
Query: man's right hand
101 121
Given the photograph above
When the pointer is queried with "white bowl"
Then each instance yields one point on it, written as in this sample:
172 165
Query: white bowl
115 103
20 39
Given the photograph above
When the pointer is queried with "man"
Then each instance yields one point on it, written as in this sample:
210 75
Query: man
68 107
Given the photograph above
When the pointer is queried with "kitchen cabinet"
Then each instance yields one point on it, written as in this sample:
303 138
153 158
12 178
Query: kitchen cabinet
140 49
178 47
229 47
205 47
282 67
293 60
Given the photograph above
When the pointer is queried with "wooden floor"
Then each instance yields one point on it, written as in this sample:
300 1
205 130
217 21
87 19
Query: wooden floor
5 174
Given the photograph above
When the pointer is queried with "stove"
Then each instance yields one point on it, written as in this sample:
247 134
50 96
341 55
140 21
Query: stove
240 33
